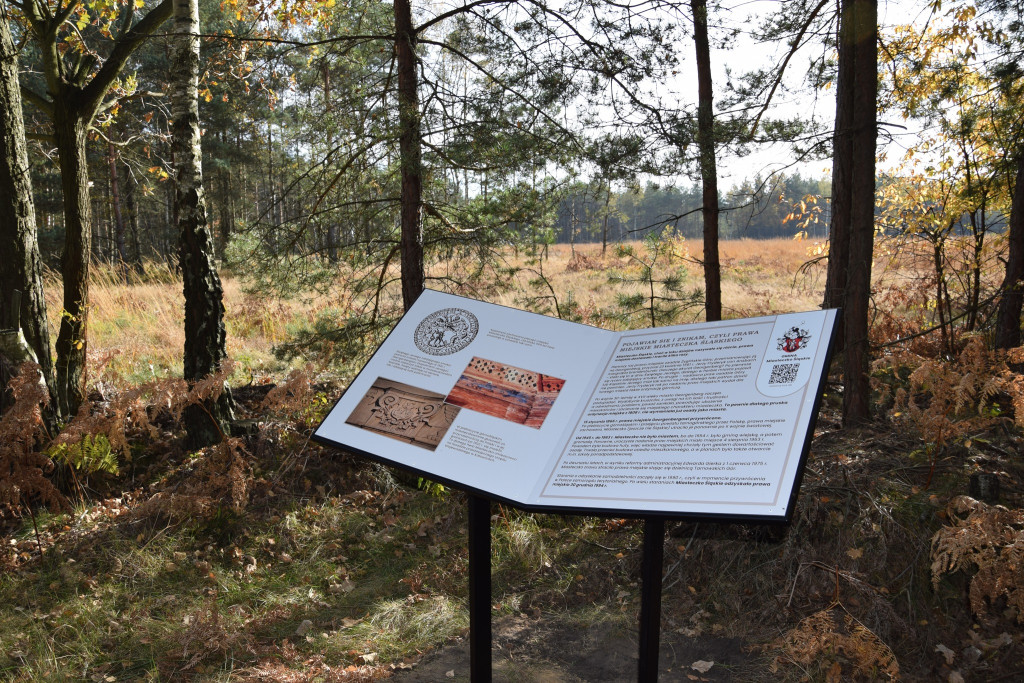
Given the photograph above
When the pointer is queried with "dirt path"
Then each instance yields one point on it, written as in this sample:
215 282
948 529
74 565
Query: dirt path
542 652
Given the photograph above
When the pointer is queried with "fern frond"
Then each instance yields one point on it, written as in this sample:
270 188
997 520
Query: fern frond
990 539
22 431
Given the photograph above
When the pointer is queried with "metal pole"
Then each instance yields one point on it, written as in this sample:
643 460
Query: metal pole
650 598
480 589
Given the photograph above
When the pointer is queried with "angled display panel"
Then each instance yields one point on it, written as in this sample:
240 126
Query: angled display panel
709 420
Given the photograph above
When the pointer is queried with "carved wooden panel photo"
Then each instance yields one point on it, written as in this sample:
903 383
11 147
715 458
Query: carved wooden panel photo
505 391
404 412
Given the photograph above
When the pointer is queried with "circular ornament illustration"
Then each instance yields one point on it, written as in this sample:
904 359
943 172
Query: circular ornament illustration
445 332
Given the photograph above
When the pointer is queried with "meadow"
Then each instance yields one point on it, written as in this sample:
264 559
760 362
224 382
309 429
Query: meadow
136 333
271 558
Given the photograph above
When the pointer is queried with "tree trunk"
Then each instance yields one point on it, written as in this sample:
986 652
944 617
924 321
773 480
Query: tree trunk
604 222
205 423
131 207
708 167
842 159
1008 316
410 156
20 266
70 133
227 214
74 92
115 200
853 195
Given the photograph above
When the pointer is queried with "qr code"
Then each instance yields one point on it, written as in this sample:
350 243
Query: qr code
784 373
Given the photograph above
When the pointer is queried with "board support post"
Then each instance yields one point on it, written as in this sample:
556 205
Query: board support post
650 598
479 526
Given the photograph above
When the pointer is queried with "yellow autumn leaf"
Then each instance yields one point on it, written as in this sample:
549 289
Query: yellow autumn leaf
855 553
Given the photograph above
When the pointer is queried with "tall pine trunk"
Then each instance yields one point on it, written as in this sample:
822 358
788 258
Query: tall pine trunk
708 167
131 210
205 423
1008 316
115 201
851 235
410 155
842 160
70 130
20 266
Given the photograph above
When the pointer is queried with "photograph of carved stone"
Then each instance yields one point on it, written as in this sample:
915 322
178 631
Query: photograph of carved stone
404 412
505 391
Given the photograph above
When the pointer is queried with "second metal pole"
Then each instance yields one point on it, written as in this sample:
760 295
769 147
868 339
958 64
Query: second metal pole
650 598
480 589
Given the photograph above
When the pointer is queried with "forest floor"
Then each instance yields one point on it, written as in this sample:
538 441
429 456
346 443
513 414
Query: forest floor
330 570
553 651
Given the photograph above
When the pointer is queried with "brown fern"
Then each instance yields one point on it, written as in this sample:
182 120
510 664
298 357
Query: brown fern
944 401
208 637
292 395
833 634
989 539
222 475
132 410
23 468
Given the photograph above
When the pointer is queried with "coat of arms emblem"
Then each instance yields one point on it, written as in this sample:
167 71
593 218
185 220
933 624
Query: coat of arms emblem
793 339
445 332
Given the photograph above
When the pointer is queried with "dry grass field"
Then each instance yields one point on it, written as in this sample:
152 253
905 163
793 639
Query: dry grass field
135 327
759 277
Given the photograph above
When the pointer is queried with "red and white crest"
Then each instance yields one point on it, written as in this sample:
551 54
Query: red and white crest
794 339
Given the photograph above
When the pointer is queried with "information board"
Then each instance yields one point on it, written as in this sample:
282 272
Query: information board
709 420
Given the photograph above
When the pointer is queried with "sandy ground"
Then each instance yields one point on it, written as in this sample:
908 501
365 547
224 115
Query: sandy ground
531 650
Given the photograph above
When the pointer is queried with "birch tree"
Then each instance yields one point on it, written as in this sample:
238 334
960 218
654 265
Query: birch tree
205 336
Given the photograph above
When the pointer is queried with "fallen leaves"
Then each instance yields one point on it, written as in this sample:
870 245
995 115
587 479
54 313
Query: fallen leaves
702 666
343 586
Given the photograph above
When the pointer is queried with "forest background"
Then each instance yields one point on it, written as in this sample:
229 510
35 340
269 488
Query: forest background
223 207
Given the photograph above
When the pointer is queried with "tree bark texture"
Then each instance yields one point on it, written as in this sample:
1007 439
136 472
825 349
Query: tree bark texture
1008 316
708 167
115 201
410 155
20 265
851 239
842 160
204 298
69 130
131 210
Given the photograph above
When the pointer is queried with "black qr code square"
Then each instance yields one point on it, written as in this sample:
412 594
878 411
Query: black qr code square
784 373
